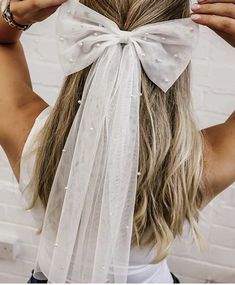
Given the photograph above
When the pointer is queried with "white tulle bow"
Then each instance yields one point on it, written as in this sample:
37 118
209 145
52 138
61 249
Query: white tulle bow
88 223
164 49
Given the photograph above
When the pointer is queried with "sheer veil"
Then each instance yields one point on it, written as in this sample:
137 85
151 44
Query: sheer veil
87 229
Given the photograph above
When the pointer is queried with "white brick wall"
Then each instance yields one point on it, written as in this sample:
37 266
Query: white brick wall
214 97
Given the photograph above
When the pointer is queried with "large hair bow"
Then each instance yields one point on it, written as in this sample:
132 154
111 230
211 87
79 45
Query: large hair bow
87 230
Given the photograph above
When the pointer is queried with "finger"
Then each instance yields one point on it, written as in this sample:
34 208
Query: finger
41 15
229 38
220 9
45 13
20 8
216 1
214 22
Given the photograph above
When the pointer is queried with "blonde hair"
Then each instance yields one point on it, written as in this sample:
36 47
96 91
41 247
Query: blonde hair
170 188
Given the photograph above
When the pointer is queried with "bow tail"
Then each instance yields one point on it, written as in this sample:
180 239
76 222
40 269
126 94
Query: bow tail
90 209
111 258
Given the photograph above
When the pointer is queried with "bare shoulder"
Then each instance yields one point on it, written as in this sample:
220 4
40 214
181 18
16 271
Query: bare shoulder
219 157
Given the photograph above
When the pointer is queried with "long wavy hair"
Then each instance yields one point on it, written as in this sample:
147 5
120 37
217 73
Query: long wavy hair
170 187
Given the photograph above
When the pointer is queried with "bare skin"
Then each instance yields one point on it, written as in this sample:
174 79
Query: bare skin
20 105
218 16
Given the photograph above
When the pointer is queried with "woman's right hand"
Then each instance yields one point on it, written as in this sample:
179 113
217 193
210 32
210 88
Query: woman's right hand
32 11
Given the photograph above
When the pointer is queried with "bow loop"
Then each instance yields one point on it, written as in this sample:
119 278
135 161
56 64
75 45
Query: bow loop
165 49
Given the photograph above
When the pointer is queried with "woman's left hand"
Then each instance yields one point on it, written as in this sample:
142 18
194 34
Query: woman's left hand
220 17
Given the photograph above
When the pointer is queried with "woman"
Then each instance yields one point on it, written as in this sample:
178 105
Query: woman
155 191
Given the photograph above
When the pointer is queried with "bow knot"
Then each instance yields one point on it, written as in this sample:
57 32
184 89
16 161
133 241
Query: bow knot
125 37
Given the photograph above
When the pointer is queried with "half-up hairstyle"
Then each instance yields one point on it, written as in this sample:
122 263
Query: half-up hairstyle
170 188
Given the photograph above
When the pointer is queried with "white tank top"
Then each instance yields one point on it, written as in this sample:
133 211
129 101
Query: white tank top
140 270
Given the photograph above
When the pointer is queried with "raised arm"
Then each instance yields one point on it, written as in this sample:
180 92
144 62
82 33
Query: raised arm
219 170
19 104
219 157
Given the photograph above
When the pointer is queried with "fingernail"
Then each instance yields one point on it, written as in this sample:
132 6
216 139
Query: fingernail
196 7
195 17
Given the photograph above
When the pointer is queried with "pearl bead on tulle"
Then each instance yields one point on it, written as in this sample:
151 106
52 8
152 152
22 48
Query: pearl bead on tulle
146 36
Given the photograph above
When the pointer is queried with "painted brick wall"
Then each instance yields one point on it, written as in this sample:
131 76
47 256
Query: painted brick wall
214 100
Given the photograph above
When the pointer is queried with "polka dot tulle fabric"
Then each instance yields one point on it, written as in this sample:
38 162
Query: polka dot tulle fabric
87 231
